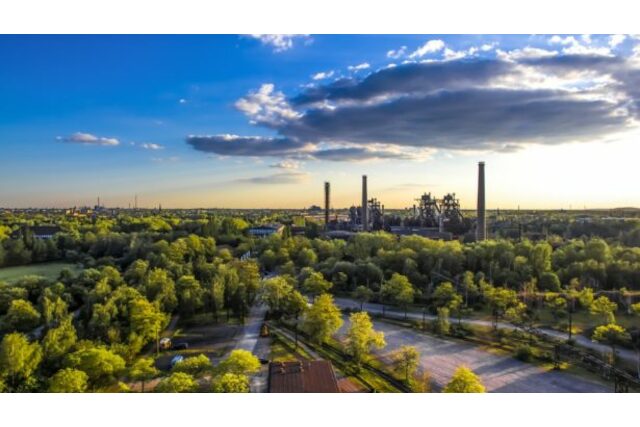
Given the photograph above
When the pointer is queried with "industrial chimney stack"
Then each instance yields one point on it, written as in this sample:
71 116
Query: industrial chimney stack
327 203
365 213
481 230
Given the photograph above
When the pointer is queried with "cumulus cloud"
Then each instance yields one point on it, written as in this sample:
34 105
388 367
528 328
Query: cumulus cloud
359 67
151 146
616 39
279 42
468 101
323 75
431 46
397 53
88 139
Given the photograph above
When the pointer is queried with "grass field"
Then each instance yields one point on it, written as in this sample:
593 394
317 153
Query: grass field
50 270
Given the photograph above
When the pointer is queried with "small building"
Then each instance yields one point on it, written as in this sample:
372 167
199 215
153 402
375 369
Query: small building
314 376
37 231
265 230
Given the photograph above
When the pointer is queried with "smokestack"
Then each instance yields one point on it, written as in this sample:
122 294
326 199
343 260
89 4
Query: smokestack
481 230
327 203
365 213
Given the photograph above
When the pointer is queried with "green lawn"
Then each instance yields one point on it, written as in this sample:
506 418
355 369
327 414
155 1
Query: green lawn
50 270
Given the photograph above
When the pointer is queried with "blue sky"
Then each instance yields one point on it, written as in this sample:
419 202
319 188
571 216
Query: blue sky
262 121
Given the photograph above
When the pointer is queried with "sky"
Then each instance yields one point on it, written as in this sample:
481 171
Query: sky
261 121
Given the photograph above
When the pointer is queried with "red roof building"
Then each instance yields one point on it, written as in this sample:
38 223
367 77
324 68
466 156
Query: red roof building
315 376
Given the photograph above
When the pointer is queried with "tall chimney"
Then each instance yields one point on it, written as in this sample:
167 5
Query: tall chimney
327 203
365 213
481 230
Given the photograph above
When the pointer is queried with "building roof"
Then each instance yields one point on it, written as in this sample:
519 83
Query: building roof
315 376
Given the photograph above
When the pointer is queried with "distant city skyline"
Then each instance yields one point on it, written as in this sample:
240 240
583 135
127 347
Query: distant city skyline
263 121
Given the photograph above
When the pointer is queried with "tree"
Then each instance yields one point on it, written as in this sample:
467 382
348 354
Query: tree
464 381
143 370
406 361
18 358
190 295
22 316
611 335
442 325
362 294
294 306
231 383
241 362
549 281
362 338
195 366
101 364
604 307
54 309
177 382
159 287
500 300
322 319
58 341
316 284
274 293
68 380
146 320
399 291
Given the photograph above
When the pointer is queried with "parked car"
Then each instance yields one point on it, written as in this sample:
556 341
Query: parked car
165 343
180 346
176 359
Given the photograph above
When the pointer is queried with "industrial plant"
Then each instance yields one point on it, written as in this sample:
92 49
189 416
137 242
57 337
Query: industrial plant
429 216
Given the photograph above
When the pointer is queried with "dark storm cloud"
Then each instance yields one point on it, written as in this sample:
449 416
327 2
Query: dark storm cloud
408 78
232 145
469 104
465 119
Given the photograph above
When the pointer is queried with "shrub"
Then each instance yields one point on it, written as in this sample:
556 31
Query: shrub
524 353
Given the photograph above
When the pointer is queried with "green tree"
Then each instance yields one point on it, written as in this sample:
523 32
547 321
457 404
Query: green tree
241 362
406 361
294 306
399 291
58 341
177 382
101 365
605 308
146 320
322 319
316 284
464 381
195 366
190 295
231 383
362 294
275 292
18 358
611 335
143 370
54 309
160 287
22 316
442 325
68 381
362 338
500 300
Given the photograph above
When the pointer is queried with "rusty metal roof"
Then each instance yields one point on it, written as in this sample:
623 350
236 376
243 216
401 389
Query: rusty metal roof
315 376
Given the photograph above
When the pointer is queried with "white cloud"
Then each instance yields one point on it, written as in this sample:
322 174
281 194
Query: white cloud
322 75
151 146
488 46
279 42
266 106
525 53
286 164
616 39
182 101
398 53
359 67
573 47
88 139
431 46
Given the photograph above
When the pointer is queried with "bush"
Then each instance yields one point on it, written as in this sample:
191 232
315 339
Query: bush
524 353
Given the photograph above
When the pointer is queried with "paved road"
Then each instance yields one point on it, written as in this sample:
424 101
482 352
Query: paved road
499 374
250 340
628 355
